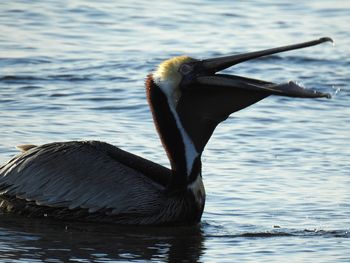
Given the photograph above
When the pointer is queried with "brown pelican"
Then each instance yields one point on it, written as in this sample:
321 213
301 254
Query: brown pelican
95 181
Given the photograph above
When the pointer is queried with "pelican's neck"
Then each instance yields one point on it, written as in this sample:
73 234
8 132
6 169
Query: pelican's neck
184 159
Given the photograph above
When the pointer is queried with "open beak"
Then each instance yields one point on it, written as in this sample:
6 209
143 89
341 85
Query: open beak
206 74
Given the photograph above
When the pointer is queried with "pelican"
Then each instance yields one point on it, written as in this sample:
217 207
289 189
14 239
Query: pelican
98 182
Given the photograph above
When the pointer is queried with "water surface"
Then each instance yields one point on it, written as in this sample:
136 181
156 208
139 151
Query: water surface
277 174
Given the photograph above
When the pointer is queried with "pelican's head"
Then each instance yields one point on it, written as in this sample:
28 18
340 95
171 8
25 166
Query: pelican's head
169 74
201 98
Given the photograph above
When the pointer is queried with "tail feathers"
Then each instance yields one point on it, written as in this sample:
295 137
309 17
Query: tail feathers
25 147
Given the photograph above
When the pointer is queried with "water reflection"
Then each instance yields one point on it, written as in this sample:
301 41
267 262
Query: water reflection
58 241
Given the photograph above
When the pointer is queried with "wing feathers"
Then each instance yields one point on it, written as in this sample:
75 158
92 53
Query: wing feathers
25 147
90 175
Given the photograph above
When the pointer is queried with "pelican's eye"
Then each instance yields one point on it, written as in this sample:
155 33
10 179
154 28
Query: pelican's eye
186 69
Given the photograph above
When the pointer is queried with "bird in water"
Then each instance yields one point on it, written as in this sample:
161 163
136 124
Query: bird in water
95 181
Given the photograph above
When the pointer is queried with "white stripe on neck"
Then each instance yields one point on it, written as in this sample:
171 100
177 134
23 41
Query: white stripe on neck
190 151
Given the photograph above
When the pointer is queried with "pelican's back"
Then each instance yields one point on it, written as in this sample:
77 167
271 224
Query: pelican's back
83 179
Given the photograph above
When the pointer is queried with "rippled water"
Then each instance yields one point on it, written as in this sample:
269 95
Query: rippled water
277 174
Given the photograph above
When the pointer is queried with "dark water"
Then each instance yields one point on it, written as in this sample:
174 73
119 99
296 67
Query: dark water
277 175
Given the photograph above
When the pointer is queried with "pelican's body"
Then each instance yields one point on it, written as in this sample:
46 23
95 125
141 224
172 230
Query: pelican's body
98 182
95 181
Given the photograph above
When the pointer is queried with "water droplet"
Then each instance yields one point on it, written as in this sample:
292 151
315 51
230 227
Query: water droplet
336 90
